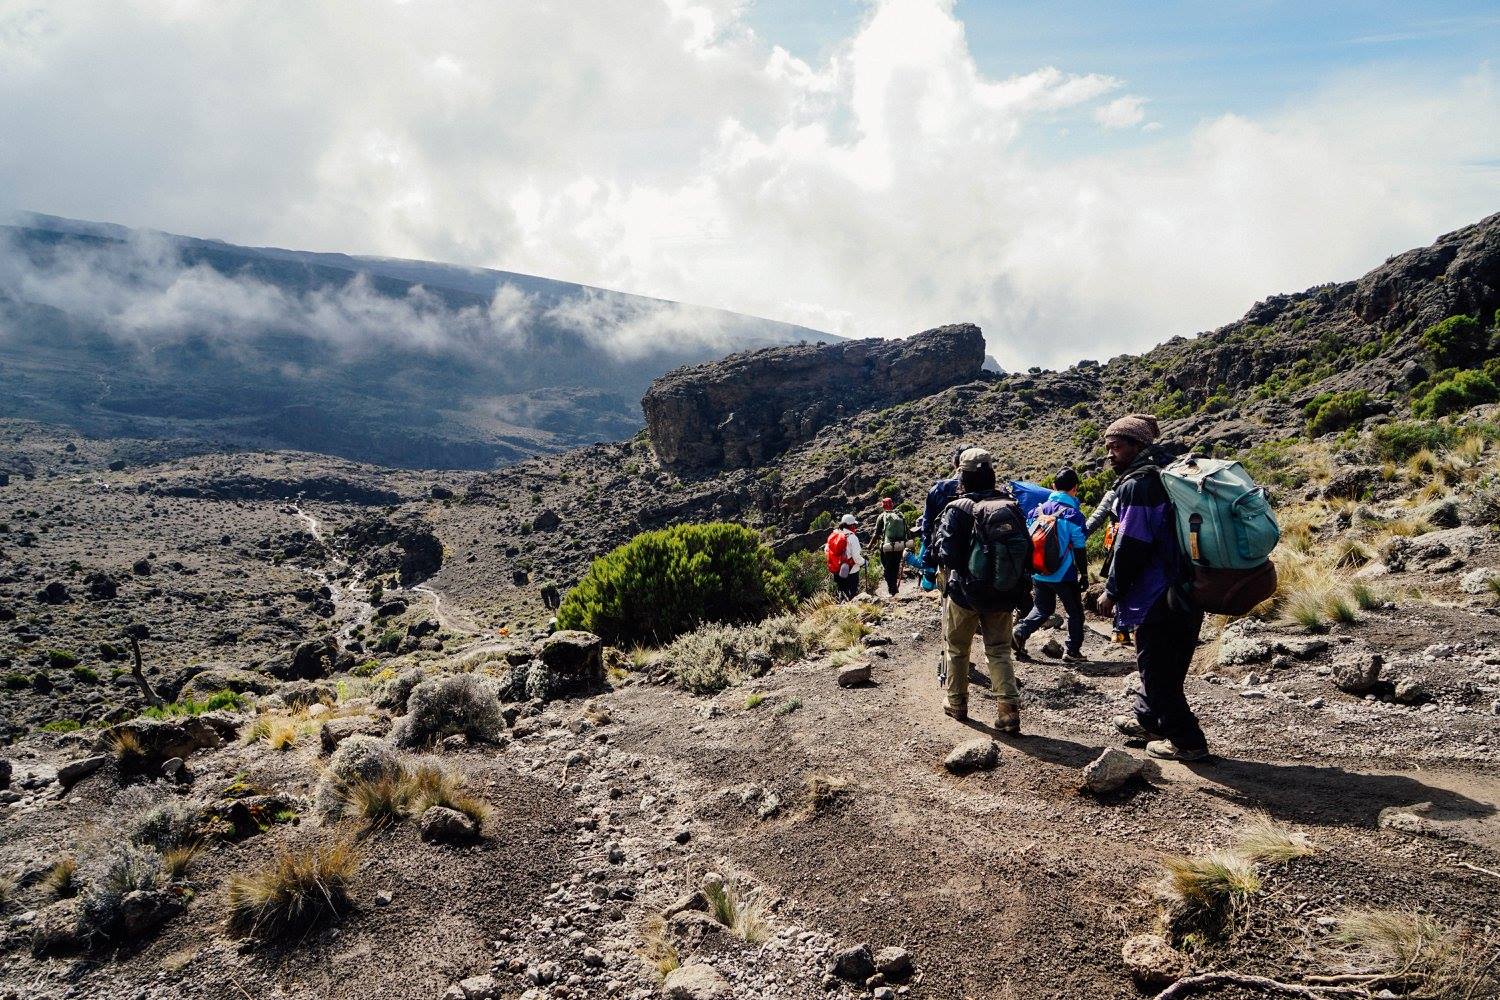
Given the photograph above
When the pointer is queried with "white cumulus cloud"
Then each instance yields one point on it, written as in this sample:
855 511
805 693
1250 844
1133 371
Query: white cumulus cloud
662 147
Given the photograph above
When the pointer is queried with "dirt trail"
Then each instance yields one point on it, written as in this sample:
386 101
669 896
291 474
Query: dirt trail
1011 883
350 598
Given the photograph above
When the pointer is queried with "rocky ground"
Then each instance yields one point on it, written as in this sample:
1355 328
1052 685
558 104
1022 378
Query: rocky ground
788 836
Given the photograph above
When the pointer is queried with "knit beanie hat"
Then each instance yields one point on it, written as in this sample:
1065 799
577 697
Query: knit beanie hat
1138 427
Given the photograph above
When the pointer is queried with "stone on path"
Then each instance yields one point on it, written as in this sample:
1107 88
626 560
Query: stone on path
1110 770
854 674
973 755
1152 962
696 981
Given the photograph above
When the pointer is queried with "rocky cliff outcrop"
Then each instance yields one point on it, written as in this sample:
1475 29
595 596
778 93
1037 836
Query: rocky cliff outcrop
751 406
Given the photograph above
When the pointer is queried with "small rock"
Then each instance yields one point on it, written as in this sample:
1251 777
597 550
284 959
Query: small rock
855 963
696 981
1409 691
479 988
443 825
893 963
1408 819
1357 674
175 769
1110 770
75 771
854 674
1152 962
1052 648
973 755
384 897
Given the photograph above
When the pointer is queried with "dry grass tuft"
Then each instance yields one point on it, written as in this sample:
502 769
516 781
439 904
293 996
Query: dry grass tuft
125 746
7 889
297 890
1432 959
392 798
61 880
378 801
657 951
744 915
830 626
1264 839
177 860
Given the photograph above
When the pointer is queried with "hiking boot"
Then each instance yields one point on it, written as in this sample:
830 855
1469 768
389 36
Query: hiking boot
1069 656
1007 719
1130 727
959 712
1018 646
1167 750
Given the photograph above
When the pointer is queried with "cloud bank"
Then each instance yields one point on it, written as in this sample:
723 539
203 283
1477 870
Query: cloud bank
663 148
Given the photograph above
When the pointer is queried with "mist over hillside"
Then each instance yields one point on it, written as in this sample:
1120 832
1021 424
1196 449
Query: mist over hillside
122 332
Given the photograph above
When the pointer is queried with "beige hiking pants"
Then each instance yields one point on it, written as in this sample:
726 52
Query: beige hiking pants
959 626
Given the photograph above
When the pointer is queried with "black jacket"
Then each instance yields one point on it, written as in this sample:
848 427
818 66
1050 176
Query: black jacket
955 532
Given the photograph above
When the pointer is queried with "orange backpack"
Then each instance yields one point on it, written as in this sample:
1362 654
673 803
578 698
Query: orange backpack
837 550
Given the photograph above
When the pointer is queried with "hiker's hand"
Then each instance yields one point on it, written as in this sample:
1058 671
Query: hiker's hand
1106 605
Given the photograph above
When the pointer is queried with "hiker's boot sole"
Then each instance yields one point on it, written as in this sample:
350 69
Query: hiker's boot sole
1167 750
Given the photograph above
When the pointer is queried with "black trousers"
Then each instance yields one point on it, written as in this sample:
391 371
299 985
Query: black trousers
891 563
1164 645
848 586
1044 598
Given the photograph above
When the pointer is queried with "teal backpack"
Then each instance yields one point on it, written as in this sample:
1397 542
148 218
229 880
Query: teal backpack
1226 530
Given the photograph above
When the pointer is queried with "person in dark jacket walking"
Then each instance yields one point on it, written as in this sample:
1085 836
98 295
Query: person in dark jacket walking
1141 592
972 604
1063 584
943 492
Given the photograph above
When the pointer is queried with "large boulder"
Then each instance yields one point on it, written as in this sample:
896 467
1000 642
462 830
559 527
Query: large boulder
155 741
404 544
216 677
751 406
309 661
574 662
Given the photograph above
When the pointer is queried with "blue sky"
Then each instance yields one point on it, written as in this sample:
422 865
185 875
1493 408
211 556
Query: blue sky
1191 60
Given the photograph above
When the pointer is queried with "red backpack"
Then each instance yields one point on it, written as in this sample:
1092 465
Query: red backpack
837 550
1046 550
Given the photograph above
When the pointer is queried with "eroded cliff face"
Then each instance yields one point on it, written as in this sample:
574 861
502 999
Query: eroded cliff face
749 407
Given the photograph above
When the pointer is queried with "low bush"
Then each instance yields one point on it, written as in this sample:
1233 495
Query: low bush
445 706
225 699
828 626
1463 390
394 693
62 726
1397 442
360 758
822 522
805 575
163 827
719 656
302 887
663 583
1457 341
1335 411
62 659
126 869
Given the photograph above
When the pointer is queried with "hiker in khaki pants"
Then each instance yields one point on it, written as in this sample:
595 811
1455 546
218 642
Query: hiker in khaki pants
981 513
959 625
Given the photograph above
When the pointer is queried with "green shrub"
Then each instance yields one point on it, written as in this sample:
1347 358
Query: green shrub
715 657
1457 341
888 488
822 522
62 659
1334 411
87 674
663 583
805 575
15 680
219 699
1399 441
1463 390
62 726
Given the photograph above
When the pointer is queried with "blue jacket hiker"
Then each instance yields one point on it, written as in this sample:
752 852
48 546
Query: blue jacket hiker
1063 583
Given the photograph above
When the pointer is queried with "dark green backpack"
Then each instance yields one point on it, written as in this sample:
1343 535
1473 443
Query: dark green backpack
1000 546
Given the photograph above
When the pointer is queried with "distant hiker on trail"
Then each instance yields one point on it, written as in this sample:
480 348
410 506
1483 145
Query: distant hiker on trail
1142 592
943 492
845 561
1058 538
890 536
983 545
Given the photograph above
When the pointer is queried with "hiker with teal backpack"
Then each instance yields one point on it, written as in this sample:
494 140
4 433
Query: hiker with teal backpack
982 543
890 539
1193 536
1057 557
